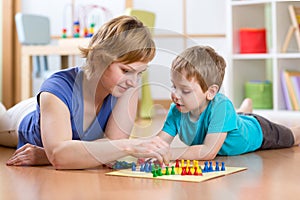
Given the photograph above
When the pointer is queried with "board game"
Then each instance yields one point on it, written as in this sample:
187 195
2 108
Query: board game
203 176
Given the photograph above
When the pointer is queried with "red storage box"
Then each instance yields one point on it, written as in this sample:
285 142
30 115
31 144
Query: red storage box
253 40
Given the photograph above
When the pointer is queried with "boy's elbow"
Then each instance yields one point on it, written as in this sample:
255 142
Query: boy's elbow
209 155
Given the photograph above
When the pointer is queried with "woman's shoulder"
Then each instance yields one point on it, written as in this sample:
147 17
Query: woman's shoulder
68 73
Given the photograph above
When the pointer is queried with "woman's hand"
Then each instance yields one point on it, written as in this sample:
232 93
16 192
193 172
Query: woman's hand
151 148
29 155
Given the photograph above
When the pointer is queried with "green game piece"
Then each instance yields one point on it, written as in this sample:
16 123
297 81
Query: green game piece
173 171
154 173
159 172
167 171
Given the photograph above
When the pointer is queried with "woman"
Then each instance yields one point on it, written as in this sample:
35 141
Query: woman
84 115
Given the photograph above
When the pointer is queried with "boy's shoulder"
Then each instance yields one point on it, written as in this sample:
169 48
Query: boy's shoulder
221 100
220 97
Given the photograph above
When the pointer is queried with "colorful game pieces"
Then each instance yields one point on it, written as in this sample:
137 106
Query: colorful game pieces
191 169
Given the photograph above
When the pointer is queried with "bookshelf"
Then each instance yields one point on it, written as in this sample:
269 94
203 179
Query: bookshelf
274 16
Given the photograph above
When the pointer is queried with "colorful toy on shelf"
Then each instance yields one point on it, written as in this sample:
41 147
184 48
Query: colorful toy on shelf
92 29
76 29
85 19
64 33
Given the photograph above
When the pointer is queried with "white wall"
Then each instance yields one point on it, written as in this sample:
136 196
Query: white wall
203 17
1 18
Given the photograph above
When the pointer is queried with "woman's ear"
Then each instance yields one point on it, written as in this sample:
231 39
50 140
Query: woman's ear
211 92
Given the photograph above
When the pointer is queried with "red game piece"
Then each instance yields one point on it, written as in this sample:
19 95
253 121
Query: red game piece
177 163
196 171
190 171
183 172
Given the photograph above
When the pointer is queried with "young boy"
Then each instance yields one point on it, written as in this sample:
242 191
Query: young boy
206 120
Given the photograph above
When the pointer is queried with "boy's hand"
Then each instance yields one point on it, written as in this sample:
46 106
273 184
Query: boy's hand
29 155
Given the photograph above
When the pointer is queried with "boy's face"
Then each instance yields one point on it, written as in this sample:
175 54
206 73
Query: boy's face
187 94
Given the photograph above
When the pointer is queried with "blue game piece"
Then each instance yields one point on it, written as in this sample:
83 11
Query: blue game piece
223 166
217 168
133 166
150 166
146 169
210 168
142 168
205 166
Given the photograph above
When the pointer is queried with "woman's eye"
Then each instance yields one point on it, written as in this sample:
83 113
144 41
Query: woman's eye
140 73
186 92
125 70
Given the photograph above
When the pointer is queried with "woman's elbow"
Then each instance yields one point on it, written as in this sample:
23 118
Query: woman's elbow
57 159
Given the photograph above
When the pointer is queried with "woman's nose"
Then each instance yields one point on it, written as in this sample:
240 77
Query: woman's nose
132 81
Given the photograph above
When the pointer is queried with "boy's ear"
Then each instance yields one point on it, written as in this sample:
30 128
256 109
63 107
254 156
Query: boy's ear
211 92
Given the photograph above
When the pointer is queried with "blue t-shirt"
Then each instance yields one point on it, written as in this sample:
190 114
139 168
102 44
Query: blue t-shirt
244 133
67 86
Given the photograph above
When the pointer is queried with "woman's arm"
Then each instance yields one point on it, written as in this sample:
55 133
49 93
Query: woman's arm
65 153
207 151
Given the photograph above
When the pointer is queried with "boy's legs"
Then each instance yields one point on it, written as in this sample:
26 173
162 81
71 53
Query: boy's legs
296 133
246 106
10 120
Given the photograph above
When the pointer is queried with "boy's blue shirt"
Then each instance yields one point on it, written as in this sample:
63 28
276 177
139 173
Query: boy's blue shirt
244 133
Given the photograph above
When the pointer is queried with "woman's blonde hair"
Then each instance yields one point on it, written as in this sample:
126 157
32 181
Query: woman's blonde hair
123 39
202 63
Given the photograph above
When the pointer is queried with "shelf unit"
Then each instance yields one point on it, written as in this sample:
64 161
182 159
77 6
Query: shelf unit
273 15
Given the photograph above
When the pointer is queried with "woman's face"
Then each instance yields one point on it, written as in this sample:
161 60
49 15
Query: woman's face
118 77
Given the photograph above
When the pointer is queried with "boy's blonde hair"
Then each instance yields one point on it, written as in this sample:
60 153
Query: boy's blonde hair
123 39
202 63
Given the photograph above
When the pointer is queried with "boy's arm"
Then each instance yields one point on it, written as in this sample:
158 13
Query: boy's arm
207 151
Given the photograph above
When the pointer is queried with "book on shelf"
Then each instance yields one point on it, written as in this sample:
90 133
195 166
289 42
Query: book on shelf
296 85
286 96
291 89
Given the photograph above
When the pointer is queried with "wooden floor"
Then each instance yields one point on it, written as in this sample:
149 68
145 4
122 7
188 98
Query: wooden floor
272 174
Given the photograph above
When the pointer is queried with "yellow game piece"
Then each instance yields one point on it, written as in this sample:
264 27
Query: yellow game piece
194 163
199 170
179 170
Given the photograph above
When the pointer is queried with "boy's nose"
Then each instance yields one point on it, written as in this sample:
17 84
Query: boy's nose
174 96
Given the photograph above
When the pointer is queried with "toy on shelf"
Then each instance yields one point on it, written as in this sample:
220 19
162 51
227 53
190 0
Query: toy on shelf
294 27
76 29
85 19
